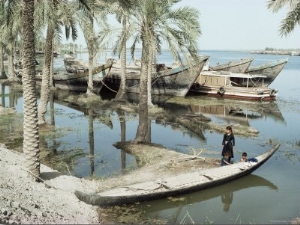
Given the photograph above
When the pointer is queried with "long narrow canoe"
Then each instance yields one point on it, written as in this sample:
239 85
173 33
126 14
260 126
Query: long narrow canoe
175 185
239 66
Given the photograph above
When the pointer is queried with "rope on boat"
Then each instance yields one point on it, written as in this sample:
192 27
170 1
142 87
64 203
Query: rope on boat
105 84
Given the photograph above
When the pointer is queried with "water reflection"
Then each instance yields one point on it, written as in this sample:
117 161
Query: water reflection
174 210
227 200
240 112
90 152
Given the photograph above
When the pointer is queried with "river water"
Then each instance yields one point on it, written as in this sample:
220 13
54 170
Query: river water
270 195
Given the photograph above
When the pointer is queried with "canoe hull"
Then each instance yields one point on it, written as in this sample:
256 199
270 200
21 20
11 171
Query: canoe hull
171 186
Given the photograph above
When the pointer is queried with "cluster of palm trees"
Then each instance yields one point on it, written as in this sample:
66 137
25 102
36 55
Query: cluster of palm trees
149 23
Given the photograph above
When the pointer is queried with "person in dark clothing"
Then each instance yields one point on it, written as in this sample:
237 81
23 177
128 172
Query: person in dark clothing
228 143
225 160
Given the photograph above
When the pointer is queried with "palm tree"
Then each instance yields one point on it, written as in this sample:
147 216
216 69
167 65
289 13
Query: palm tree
122 9
56 14
293 17
160 22
2 25
30 125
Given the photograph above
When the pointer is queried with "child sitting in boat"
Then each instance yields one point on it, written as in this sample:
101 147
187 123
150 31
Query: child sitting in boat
225 159
245 159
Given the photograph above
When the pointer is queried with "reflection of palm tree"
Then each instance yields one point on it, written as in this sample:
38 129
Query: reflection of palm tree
123 139
3 95
91 140
227 200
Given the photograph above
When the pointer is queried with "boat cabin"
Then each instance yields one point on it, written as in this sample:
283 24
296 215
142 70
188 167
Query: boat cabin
224 78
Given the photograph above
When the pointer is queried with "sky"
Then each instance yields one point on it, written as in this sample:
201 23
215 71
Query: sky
239 25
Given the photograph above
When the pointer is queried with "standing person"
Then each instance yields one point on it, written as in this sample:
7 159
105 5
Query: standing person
228 143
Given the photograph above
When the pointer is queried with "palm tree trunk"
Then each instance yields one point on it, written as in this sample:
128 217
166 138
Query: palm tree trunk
90 43
143 96
149 74
11 71
45 90
30 124
122 90
51 84
2 71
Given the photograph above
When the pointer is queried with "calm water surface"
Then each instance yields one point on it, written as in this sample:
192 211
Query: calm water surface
270 195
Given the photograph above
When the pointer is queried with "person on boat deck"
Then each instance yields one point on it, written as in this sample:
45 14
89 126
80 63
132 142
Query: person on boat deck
228 143
225 159
244 157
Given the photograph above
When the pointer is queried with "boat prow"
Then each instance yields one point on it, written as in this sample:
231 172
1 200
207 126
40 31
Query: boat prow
175 185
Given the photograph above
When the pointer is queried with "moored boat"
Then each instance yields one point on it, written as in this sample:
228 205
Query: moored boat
78 81
175 185
270 69
232 85
239 66
74 65
164 81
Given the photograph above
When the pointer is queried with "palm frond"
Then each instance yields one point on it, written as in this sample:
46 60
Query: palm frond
289 23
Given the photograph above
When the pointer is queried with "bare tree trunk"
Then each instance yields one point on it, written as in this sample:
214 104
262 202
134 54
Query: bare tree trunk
143 96
45 87
30 124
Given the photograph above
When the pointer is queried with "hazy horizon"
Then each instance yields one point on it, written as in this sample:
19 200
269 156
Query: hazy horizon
237 25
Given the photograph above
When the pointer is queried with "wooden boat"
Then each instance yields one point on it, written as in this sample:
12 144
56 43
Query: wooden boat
239 66
270 69
165 81
175 185
73 65
231 85
78 81
134 65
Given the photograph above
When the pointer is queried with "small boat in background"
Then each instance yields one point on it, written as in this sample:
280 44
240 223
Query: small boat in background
239 66
270 69
225 84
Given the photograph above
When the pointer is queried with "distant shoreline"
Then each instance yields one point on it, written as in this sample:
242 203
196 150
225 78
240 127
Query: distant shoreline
277 52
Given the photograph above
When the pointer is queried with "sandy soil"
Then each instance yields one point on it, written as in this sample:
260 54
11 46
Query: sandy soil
25 201
22 200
